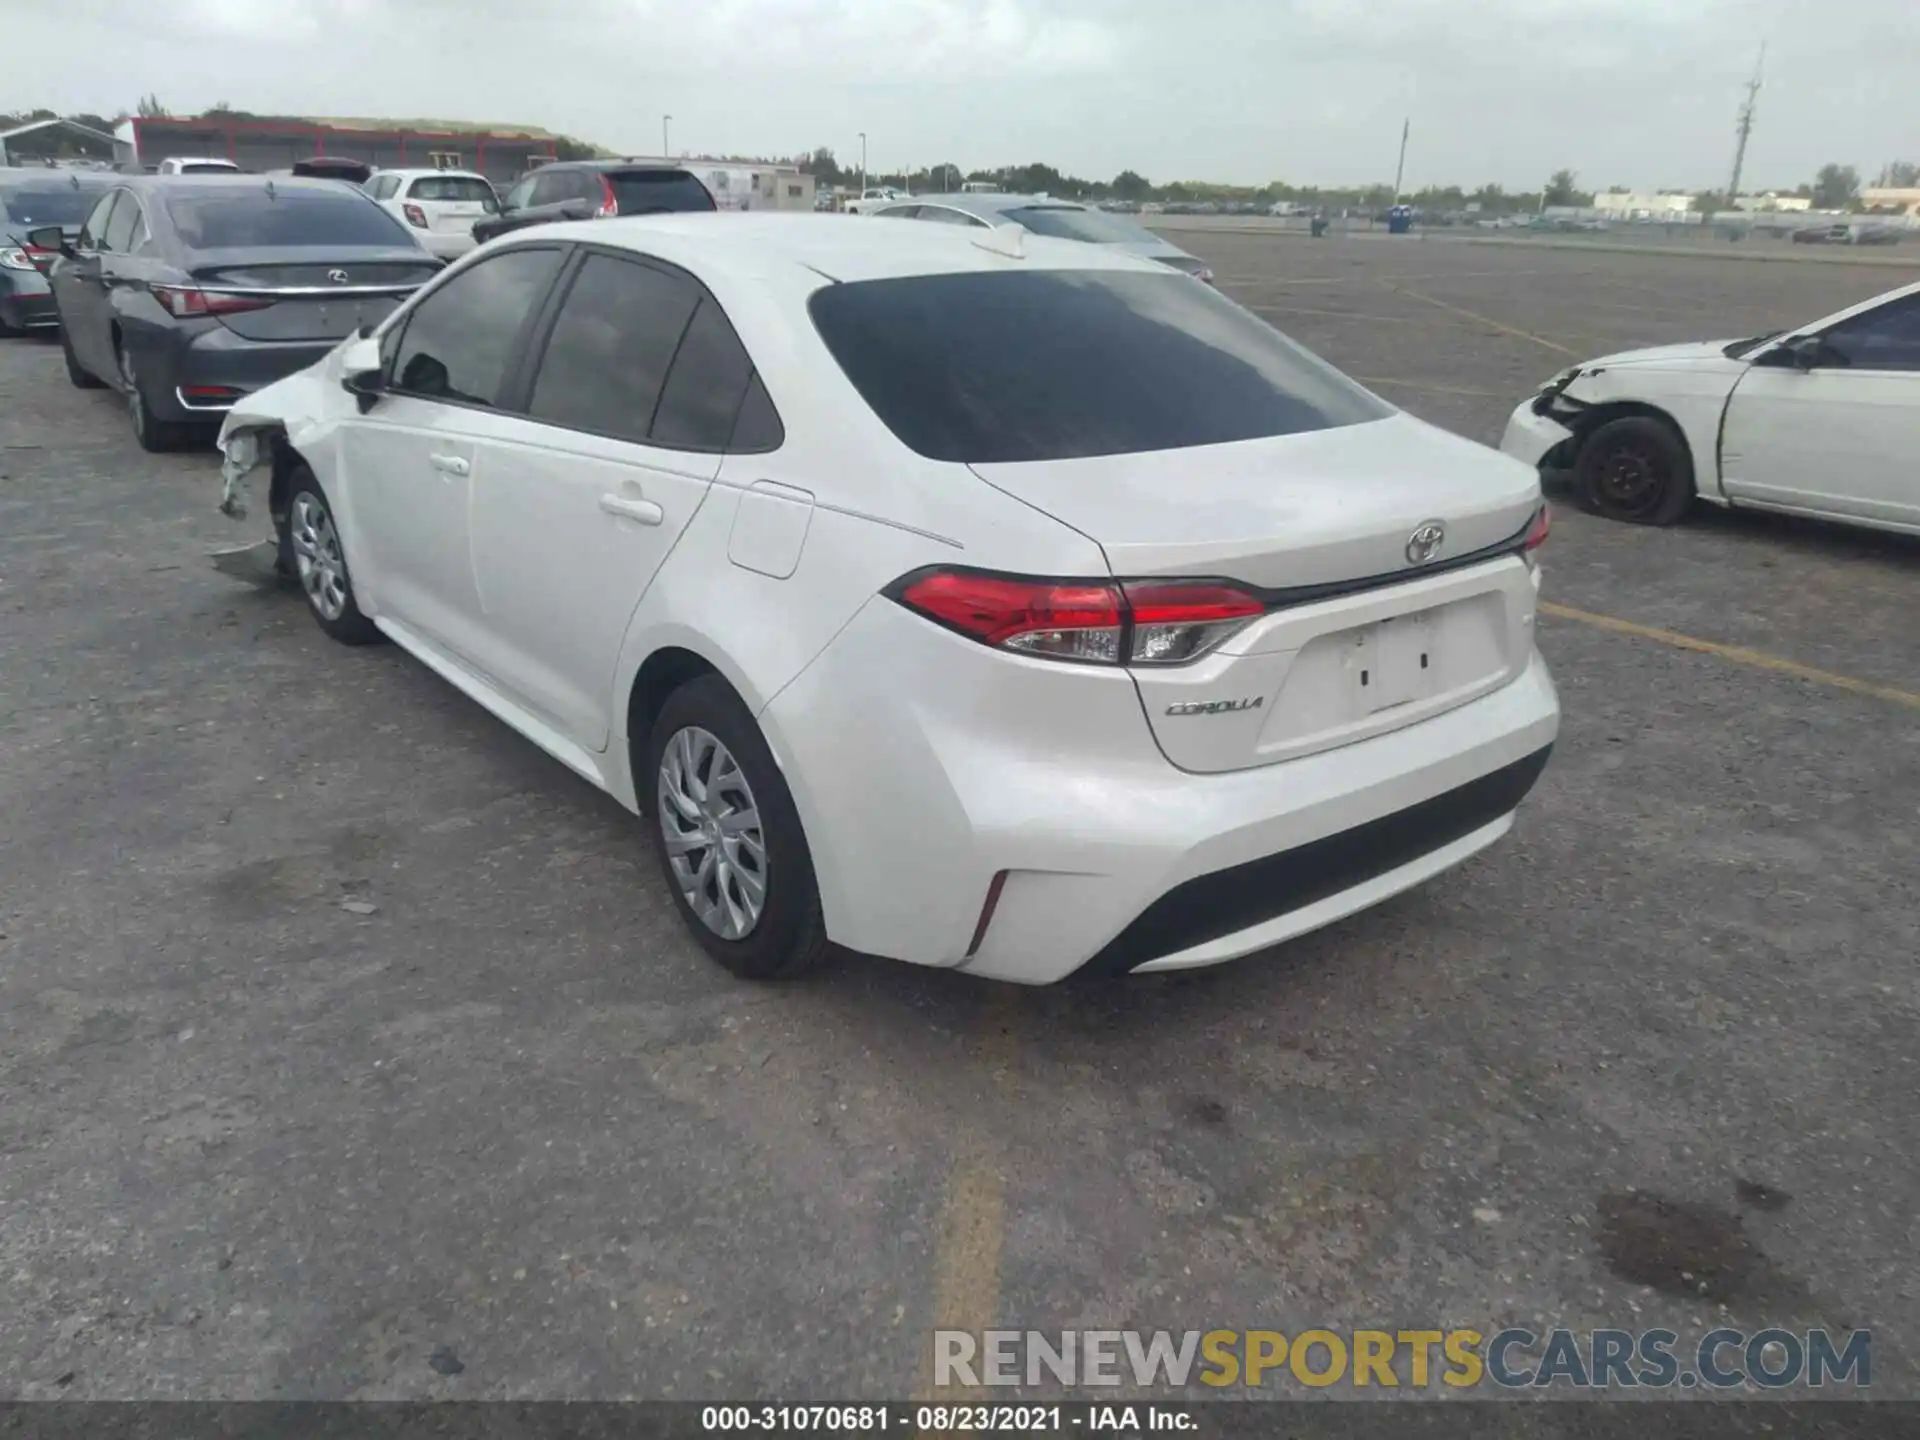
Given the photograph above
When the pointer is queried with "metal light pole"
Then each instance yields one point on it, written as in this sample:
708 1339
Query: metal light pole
863 162
1406 128
666 145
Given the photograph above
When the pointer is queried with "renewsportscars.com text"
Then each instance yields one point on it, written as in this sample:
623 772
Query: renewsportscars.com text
1509 1359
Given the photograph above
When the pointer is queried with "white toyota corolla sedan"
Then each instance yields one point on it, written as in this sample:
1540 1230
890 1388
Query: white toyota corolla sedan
985 601
1823 420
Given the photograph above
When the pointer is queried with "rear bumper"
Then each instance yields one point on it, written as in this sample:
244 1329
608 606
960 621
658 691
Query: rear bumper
445 246
933 775
1531 436
25 301
218 357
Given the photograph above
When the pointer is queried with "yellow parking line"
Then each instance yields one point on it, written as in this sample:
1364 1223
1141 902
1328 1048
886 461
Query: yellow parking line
1738 654
966 1260
1478 318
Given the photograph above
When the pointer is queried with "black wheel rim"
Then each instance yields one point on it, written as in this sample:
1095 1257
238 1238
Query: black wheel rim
1629 478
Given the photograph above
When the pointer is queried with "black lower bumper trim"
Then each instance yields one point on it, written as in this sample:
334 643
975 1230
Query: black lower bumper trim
1226 901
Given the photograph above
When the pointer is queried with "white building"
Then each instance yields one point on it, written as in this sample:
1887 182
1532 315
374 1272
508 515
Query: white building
1883 198
1772 201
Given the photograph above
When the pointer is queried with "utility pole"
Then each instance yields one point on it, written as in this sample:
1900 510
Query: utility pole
1400 171
1744 129
863 163
666 145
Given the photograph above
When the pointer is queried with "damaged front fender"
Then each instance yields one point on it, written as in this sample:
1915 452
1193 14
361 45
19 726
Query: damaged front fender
286 412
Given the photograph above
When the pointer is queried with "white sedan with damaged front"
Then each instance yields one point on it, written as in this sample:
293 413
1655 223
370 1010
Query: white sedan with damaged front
976 599
1822 420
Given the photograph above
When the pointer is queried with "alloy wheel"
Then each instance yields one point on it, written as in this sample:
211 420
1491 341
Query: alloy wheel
710 826
316 555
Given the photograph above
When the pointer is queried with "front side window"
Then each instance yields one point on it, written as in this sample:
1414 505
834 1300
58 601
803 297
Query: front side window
606 361
93 232
120 229
1004 366
461 342
1885 338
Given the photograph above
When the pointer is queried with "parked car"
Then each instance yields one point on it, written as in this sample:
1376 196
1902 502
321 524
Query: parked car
593 190
1820 420
875 197
38 200
1827 234
196 165
1060 219
441 205
188 292
1012 618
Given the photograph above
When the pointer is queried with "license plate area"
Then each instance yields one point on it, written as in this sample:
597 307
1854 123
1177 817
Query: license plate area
1392 662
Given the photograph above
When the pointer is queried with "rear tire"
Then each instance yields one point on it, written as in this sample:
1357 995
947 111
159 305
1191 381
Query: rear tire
157 437
80 377
1636 470
724 825
320 562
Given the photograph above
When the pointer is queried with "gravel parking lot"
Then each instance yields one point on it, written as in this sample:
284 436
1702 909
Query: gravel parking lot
498 1130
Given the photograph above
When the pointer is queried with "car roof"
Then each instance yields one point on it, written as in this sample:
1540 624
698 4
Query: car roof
427 170
668 165
232 184
41 177
834 247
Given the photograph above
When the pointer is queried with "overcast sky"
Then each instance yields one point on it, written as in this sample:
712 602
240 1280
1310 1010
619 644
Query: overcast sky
1641 92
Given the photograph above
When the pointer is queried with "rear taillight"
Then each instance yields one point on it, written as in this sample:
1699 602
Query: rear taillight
1537 530
609 202
13 258
1178 620
1095 622
183 303
416 217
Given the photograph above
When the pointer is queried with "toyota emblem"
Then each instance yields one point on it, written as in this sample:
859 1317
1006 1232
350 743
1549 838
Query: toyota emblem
1425 542
338 277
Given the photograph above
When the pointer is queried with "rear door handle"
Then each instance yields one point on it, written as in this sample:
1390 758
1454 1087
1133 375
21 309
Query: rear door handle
450 464
645 511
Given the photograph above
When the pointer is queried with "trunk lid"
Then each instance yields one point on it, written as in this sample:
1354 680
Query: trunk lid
454 217
1357 639
308 299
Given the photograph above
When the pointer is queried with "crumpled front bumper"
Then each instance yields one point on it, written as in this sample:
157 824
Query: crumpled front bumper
1531 435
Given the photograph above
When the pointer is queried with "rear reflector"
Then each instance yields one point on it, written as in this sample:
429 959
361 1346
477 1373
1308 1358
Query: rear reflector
208 392
183 303
1097 622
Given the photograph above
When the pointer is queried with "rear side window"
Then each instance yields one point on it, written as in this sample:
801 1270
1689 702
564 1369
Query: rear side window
606 360
997 367
649 192
705 386
230 219
1884 339
468 188
462 342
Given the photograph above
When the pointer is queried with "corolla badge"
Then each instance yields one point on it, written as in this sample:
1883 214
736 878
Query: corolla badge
338 277
1425 542
1216 707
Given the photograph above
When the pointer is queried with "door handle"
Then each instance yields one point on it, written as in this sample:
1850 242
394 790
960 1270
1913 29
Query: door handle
450 464
645 511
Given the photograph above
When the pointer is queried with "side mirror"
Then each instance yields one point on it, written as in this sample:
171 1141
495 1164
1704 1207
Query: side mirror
50 237
361 369
1807 351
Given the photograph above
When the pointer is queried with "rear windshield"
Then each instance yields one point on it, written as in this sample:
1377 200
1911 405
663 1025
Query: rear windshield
648 192
207 167
995 367
228 219
65 206
470 188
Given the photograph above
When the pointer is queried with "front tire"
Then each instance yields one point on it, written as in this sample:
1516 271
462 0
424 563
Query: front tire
1636 470
728 837
320 562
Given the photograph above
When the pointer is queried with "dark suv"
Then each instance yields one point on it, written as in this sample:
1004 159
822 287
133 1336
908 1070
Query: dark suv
594 190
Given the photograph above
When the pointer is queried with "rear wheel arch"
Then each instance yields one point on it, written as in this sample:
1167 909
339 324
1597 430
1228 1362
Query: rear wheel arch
659 675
